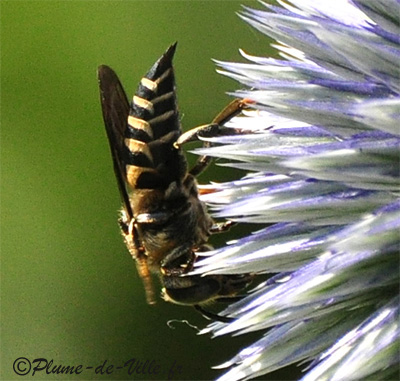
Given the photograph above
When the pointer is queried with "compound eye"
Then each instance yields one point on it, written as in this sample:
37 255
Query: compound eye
190 290
179 261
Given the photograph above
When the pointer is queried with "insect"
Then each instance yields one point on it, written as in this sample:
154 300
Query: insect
163 222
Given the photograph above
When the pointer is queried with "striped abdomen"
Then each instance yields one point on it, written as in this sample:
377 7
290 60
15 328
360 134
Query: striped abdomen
151 161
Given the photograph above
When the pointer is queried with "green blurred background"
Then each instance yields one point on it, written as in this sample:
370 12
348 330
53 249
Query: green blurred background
70 291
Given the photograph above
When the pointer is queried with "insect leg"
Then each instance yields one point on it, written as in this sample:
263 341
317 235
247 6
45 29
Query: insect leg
205 130
213 316
213 128
209 130
221 226
130 234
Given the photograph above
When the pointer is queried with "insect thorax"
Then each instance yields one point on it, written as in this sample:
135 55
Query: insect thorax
181 219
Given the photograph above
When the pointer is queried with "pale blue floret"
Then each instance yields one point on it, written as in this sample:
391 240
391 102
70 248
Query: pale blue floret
321 147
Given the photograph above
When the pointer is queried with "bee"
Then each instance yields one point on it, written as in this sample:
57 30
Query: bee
163 222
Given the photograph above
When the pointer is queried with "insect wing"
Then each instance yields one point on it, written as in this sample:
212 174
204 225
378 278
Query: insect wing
115 107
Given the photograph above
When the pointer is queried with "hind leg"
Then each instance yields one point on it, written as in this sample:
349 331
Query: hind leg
215 128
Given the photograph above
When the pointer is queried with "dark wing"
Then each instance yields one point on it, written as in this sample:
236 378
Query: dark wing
115 106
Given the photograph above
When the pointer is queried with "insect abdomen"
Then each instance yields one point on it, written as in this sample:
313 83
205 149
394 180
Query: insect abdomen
151 160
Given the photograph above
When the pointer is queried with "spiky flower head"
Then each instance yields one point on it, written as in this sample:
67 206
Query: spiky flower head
320 142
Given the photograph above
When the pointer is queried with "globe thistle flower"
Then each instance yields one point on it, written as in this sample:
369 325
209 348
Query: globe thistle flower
320 144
